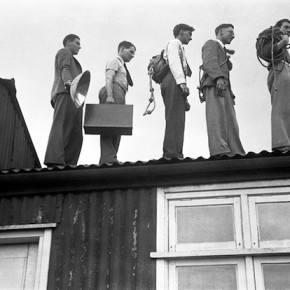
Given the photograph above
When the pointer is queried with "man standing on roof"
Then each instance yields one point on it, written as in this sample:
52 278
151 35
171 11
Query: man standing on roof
66 137
174 91
279 86
114 92
222 124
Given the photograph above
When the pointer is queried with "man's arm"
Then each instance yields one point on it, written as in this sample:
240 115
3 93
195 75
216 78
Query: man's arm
110 73
210 60
211 65
174 61
64 64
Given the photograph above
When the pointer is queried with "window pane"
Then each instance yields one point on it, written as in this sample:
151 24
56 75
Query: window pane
207 277
274 220
276 276
205 224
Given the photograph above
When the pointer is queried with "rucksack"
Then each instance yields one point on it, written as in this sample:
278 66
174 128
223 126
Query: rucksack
272 35
158 68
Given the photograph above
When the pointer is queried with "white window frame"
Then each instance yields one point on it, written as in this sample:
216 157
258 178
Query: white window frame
239 262
237 230
266 260
257 243
32 233
243 190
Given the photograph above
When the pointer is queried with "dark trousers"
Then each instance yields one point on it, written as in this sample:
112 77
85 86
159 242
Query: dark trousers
110 143
66 136
175 117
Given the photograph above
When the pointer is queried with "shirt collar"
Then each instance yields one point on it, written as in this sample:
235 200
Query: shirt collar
218 41
179 42
120 59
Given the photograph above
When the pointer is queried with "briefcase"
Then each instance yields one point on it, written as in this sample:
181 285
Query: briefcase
108 119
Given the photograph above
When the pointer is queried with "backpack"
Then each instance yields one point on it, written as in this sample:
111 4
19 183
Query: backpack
158 68
272 35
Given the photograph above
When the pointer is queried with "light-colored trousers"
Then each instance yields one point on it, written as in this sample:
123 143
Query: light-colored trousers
222 125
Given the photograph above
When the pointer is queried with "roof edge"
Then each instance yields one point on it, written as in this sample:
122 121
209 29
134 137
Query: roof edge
147 175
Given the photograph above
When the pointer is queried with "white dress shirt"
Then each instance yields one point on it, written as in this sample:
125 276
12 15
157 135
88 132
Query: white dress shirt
175 55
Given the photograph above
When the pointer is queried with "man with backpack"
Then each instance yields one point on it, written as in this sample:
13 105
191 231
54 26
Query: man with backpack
174 91
272 47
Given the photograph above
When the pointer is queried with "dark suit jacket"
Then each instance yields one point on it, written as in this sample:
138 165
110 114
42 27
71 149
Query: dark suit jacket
215 64
66 68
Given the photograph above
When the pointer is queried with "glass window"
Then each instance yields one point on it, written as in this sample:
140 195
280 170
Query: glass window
276 276
207 274
270 220
207 277
274 221
204 224
272 273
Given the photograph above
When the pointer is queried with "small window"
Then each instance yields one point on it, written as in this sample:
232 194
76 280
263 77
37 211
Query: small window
270 220
226 274
205 224
272 273
24 256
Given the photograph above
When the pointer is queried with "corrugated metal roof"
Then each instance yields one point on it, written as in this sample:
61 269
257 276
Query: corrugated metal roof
162 172
16 147
161 161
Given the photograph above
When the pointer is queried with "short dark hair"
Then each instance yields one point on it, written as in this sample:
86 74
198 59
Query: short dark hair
125 44
280 22
221 26
70 37
177 28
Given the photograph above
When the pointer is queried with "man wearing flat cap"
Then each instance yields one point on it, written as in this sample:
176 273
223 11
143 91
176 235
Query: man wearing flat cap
66 137
222 124
174 91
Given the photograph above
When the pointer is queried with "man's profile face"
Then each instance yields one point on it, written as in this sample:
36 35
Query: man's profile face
74 46
227 35
127 53
285 28
186 36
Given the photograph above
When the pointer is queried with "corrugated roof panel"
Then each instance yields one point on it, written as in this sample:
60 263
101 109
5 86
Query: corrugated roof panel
30 209
161 161
7 123
16 147
98 244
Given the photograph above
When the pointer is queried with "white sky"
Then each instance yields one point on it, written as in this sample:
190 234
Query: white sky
32 32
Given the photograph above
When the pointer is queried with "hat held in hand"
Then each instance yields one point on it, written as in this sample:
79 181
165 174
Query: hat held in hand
79 88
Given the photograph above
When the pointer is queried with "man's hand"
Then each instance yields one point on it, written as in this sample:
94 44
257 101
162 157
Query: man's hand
220 85
110 100
285 39
185 89
187 105
67 86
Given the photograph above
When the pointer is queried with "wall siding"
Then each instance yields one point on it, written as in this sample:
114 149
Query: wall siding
16 147
103 238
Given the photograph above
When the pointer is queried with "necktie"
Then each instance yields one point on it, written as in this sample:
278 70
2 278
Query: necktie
129 79
225 50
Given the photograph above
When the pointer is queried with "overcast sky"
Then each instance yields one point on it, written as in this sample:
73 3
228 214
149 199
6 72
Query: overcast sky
32 32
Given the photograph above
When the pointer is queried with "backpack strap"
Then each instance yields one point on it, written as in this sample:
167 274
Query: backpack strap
152 97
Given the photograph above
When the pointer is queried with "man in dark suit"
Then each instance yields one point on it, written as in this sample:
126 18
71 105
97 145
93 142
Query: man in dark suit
222 125
66 137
